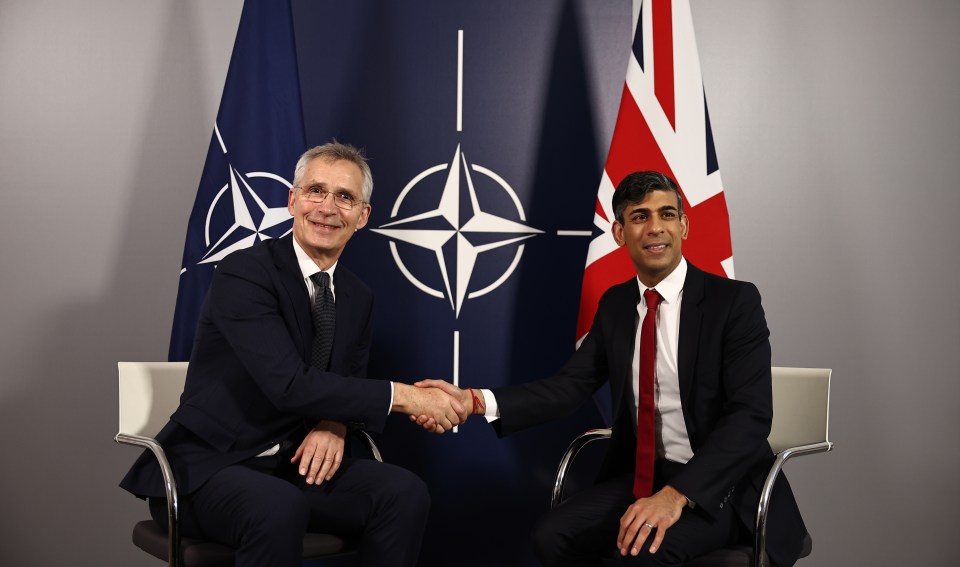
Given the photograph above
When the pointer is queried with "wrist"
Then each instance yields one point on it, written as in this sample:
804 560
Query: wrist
337 427
401 397
676 497
477 402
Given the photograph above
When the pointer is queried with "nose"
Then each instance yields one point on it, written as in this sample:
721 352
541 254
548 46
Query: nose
655 225
327 205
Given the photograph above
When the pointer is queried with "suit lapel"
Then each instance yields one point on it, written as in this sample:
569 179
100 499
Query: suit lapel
292 280
341 281
624 341
691 317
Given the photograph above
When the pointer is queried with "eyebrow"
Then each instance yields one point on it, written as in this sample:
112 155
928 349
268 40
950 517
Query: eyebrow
647 210
335 189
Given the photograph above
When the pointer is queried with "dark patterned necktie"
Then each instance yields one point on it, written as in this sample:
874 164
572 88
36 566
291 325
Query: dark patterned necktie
324 321
646 422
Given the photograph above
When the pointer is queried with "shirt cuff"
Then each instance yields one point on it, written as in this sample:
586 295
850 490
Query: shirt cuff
390 407
492 412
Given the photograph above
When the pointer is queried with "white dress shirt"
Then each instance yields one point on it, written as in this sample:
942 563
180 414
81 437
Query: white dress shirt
673 443
308 267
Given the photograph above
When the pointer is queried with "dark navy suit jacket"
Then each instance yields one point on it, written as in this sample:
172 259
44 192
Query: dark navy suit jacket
725 389
250 384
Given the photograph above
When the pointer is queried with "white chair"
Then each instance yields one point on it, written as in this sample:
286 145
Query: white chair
801 426
149 393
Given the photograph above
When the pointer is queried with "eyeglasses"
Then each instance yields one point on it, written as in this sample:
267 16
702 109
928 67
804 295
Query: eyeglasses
318 194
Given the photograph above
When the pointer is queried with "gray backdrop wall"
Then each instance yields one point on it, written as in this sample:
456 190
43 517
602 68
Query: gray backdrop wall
838 132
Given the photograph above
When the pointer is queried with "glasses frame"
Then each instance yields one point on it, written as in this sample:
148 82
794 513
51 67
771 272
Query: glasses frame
324 193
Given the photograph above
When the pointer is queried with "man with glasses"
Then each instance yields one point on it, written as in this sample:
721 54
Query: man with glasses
276 378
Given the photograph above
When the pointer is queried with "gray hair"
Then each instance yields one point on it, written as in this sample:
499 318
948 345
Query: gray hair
335 151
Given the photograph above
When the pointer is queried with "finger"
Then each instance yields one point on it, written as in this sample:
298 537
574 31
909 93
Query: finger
630 531
657 538
429 383
296 456
306 456
334 465
325 471
452 415
622 534
641 533
462 412
315 465
636 535
447 387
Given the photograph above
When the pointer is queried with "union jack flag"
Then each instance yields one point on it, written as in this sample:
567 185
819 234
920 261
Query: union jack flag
662 125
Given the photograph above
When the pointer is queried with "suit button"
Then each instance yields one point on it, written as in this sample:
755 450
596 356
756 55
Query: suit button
721 504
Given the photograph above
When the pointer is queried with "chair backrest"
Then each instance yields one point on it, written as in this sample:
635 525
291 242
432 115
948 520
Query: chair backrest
801 407
149 393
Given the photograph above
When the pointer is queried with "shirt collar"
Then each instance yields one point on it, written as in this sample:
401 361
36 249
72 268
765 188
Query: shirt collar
307 266
671 286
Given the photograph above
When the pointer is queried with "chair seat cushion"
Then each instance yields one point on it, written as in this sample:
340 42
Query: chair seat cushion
148 536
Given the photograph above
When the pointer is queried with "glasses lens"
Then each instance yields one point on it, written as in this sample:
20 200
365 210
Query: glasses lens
344 201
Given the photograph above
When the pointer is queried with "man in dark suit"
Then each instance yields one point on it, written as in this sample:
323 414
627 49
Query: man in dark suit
276 378
691 484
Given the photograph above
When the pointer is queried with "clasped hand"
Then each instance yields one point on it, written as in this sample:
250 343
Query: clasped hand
433 404
464 399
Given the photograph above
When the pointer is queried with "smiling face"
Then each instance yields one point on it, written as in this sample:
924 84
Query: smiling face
323 229
653 230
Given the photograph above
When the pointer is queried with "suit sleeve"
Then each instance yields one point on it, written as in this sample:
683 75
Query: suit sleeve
532 403
253 318
736 434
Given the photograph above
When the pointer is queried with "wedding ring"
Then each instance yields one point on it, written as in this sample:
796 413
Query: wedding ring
651 526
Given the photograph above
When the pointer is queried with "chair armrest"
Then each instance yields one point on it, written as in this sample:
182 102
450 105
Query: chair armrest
763 506
170 485
568 456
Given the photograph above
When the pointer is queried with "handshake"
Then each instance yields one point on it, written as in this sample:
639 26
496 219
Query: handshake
435 405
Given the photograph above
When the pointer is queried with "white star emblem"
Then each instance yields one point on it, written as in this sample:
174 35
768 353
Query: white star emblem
252 218
448 209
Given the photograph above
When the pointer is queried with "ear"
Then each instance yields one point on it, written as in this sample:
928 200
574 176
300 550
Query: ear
685 224
364 215
290 201
617 230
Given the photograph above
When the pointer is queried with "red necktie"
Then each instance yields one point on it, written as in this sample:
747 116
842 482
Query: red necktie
646 426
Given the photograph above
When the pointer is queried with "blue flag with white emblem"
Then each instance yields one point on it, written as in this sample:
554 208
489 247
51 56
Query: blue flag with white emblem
256 141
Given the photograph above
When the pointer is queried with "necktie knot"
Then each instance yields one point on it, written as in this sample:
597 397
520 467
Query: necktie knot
653 298
321 280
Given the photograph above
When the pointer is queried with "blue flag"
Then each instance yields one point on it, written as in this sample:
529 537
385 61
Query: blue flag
256 141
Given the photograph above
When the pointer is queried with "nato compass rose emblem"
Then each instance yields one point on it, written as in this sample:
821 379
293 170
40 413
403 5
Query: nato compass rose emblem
459 216
239 215
475 234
